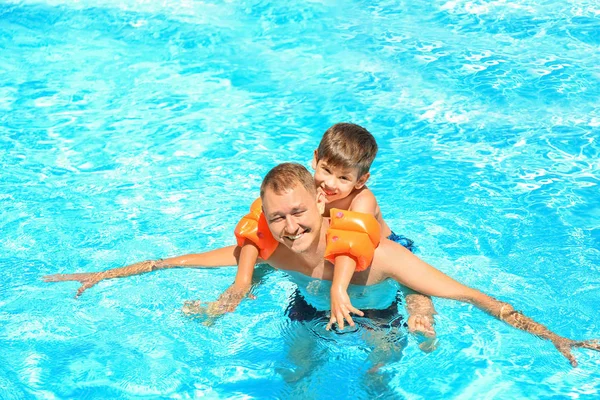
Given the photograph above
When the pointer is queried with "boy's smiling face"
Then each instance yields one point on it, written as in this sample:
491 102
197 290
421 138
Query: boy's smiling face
337 182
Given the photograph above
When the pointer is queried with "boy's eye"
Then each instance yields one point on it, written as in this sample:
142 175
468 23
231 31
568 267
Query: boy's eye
344 178
326 170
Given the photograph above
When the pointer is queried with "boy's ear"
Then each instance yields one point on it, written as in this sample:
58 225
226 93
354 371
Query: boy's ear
321 201
314 161
362 181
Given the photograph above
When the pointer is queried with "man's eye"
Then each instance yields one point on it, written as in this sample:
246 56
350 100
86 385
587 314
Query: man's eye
298 213
276 219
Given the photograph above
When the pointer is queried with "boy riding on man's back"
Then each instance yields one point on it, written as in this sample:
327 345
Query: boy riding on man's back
342 163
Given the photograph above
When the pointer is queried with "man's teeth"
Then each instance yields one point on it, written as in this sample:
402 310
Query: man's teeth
294 237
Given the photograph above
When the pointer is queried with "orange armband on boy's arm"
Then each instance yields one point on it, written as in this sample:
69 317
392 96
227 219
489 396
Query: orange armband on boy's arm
253 226
352 234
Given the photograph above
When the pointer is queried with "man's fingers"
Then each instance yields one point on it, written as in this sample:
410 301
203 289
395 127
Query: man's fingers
83 288
565 350
426 323
571 358
193 307
589 344
251 296
425 326
66 277
430 333
50 278
57 278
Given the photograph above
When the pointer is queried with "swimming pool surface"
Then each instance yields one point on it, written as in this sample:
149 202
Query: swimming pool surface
132 130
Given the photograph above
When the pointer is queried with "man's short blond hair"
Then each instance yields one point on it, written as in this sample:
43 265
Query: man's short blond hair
348 145
287 176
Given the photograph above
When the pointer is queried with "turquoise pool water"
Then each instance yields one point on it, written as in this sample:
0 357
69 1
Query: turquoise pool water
132 130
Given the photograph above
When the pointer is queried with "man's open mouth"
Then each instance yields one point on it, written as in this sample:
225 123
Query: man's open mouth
296 236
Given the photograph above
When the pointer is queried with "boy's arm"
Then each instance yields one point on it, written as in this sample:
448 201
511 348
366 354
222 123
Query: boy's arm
341 307
409 270
343 270
216 258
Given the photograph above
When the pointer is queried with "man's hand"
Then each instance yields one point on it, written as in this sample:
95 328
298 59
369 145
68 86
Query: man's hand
341 307
423 328
88 279
565 345
227 302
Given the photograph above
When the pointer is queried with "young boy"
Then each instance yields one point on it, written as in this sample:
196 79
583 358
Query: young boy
341 163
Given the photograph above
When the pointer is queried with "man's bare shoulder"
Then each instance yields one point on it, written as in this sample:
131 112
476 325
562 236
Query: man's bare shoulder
388 255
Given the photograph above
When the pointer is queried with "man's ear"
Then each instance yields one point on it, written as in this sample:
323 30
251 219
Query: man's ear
321 200
314 161
362 181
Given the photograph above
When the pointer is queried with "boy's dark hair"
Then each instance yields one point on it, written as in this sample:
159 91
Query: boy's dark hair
348 145
287 176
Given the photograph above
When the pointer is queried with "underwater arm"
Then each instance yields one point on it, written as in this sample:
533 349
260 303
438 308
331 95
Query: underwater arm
216 258
506 312
256 243
410 271
421 322
234 294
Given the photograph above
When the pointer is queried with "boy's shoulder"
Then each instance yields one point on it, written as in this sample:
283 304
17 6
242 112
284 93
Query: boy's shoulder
363 200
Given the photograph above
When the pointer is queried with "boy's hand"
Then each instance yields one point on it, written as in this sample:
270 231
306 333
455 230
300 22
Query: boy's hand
422 327
88 279
341 307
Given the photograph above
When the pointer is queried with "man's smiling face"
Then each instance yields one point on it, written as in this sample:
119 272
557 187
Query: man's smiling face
293 216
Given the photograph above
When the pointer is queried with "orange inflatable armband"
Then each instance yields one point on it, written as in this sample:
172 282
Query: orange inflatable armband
253 226
352 234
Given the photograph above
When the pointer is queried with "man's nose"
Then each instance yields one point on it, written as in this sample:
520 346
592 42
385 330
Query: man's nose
290 225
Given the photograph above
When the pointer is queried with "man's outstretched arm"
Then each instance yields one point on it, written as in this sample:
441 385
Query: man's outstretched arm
403 266
506 312
216 258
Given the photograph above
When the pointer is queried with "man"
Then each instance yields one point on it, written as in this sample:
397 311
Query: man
292 208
